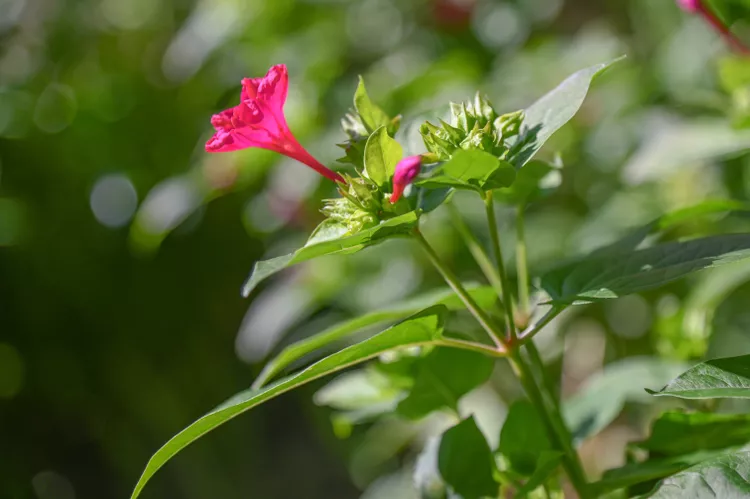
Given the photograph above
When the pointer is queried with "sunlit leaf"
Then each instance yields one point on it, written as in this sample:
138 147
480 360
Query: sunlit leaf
532 181
442 378
424 328
372 116
613 275
465 461
394 227
718 378
471 169
555 109
725 477
484 296
382 153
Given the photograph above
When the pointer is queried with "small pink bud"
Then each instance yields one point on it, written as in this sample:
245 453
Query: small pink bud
406 171
690 5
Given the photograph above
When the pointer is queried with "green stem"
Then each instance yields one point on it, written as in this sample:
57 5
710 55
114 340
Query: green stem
477 251
489 204
484 320
470 345
530 331
571 462
521 266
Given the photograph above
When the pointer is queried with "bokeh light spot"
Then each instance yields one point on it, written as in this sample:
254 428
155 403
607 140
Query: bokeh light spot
11 371
55 109
113 200
52 485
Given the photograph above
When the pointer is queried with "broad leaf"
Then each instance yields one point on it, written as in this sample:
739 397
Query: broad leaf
394 227
724 477
603 396
534 180
424 328
484 296
523 437
675 433
546 465
471 169
466 462
372 116
653 469
614 275
382 153
443 377
718 378
551 112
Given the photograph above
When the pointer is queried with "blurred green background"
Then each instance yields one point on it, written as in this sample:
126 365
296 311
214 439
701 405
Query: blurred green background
123 245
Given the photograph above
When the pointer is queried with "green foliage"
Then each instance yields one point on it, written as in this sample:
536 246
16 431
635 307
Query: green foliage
619 274
424 328
442 378
465 461
523 439
382 153
718 378
676 433
395 227
371 115
546 464
472 170
726 476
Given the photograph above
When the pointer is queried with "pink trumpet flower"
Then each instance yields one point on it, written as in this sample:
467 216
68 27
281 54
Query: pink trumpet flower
699 8
406 171
258 121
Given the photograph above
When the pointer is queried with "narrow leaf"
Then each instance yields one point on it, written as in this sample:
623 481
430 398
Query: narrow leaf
465 461
395 227
424 328
614 275
382 153
719 378
443 377
372 116
724 477
551 112
484 296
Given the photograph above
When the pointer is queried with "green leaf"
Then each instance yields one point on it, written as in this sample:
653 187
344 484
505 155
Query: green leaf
424 328
723 477
647 471
443 377
394 227
613 275
466 462
372 116
523 437
718 378
530 183
603 396
382 153
546 465
675 433
551 112
471 169
484 296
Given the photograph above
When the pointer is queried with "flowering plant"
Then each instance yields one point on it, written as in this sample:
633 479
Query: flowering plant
420 365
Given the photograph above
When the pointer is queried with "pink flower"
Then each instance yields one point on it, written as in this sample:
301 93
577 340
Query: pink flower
406 171
690 5
258 121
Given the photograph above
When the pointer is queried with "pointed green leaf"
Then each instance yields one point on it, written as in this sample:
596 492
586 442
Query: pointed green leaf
382 153
471 169
465 461
718 378
394 227
723 477
484 296
372 116
551 112
424 328
523 437
675 432
615 275
443 377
